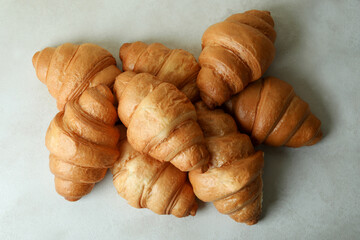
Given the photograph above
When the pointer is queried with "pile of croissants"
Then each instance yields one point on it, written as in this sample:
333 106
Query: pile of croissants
167 126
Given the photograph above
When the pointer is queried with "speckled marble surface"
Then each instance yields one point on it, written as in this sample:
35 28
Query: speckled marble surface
309 193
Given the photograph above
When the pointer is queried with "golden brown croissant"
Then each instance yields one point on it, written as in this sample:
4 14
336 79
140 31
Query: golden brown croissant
175 66
271 112
161 120
69 69
235 52
147 183
234 179
82 142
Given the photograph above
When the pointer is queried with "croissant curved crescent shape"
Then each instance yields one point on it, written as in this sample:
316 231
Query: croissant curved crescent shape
82 142
233 181
271 112
147 183
161 120
175 66
69 69
235 52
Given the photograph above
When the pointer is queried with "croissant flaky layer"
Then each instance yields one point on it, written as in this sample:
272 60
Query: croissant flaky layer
161 120
235 52
147 183
175 66
69 69
271 112
234 179
82 142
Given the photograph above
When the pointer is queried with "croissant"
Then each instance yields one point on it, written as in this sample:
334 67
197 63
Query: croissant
235 52
271 112
69 69
82 142
147 183
234 179
175 66
161 120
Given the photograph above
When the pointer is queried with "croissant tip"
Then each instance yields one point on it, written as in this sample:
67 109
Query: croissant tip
252 222
316 139
204 168
123 50
60 106
72 199
194 209
34 58
258 11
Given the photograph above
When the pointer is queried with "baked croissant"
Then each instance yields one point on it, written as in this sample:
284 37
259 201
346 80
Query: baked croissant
69 69
235 52
82 142
175 66
234 179
271 112
161 120
147 183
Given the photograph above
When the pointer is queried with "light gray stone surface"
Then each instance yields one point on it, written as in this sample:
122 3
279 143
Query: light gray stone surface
309 193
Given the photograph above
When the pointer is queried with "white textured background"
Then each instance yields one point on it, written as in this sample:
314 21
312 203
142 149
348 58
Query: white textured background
309 193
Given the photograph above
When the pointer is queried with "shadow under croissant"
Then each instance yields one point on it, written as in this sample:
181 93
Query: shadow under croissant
288 30
201 204
277 160
276 163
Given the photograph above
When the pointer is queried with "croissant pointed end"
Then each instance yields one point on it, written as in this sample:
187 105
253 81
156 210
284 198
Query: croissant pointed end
194 209
256 11
252 222
124 50
60 106
204 168
208 101
316 139
213 89
40 61
34 58
70 199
